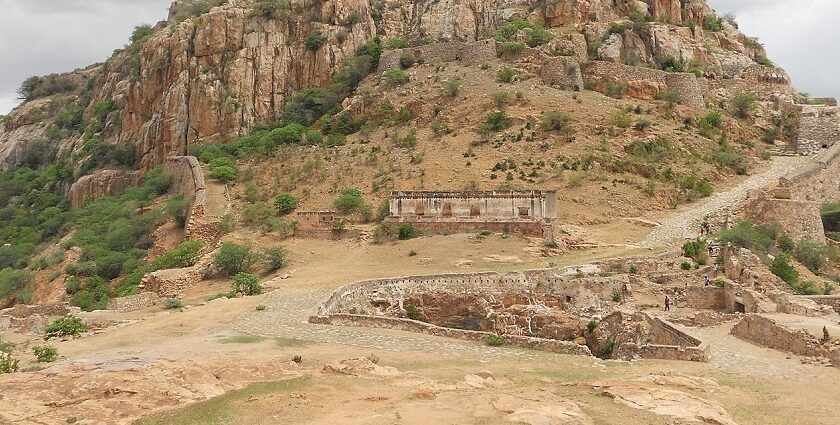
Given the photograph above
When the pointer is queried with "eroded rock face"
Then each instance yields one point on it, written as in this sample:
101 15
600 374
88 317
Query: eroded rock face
101 183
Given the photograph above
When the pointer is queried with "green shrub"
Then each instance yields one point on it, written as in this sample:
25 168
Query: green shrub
747 234
807 287
412 313
505 75
727 157
407 60
685 265
403 116
184 255
224 173
537 35
285 203
8 364
394 43
66 326
592 325
258 215
246 284
177 207
451 86
815 256
314 40
621 119
494 122
713 23
45 353
406 231
781 267
615 89
259 307
233 259
384 232
271 9
511 48
670 96
742 104
556 121
786 244
500 99
633 269
697 250
494 340
172 303
395 77
350 201
275 258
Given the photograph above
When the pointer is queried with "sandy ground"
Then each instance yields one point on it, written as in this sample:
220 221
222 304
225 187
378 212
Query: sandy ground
750 384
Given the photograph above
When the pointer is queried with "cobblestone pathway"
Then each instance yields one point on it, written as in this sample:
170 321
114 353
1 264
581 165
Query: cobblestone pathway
287 311
686 224
731 354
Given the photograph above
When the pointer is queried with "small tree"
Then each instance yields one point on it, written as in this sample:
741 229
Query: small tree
782 268
315 40
505 75
246 284
184 255
65 326
232 258
275 258
285 203
395 77
556 121
45 353
349 201
451 87
742 104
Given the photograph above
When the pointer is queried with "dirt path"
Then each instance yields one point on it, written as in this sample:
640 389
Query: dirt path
686 223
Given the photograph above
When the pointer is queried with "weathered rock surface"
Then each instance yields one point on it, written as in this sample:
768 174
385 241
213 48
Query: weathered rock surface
101 183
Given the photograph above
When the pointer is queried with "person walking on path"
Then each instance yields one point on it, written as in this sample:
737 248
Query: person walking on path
667 303
705 280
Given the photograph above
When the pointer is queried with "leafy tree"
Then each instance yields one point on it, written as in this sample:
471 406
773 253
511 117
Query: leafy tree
557 121
66 326
232 258
178 207
246 284
285 203
275 258
742 104
747 234
315 40
184 255
782 268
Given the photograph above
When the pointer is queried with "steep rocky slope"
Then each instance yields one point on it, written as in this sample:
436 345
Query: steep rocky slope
214 76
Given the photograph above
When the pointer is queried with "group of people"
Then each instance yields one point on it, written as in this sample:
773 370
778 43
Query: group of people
705 229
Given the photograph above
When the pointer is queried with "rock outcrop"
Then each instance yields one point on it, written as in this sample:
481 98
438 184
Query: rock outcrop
101 183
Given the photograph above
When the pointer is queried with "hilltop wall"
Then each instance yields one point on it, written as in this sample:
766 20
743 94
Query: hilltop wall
647 83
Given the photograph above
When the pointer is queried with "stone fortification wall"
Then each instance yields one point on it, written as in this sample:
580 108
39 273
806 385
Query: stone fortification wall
706 298
23 318
134 302
544 344
647 83
832 301
742 266
171 283
765 74
470 53
459 205
563 73
797 218
100 184
766 332
188 180
818 181
819 128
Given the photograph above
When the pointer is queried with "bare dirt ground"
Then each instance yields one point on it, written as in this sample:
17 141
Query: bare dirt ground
209 352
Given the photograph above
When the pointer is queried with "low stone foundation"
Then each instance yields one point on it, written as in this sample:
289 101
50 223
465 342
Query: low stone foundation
23 318
832 301
134 302
766 332
521 228
544 344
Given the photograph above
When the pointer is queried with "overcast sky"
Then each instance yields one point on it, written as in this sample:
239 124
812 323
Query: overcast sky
42 36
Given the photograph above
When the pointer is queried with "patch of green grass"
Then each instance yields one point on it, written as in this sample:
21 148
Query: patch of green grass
241 339
222 409
291 342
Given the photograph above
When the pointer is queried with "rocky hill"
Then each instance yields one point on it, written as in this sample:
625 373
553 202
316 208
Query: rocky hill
626 106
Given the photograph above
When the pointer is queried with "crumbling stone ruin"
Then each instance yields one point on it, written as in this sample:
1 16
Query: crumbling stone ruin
529 213
554 310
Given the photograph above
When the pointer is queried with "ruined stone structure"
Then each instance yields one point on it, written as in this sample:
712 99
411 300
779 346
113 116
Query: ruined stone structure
798 219
188 180
24 318
768 333
314 223
134 302
646 83
817 181
515 305
819 128
832 301
469 53
522 212
562 72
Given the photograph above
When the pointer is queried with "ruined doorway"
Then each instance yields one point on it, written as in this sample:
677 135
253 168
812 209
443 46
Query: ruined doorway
740 307
524 212
475 211
447 210
419 209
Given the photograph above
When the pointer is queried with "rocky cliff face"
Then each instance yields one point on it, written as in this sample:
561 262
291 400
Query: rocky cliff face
214 76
